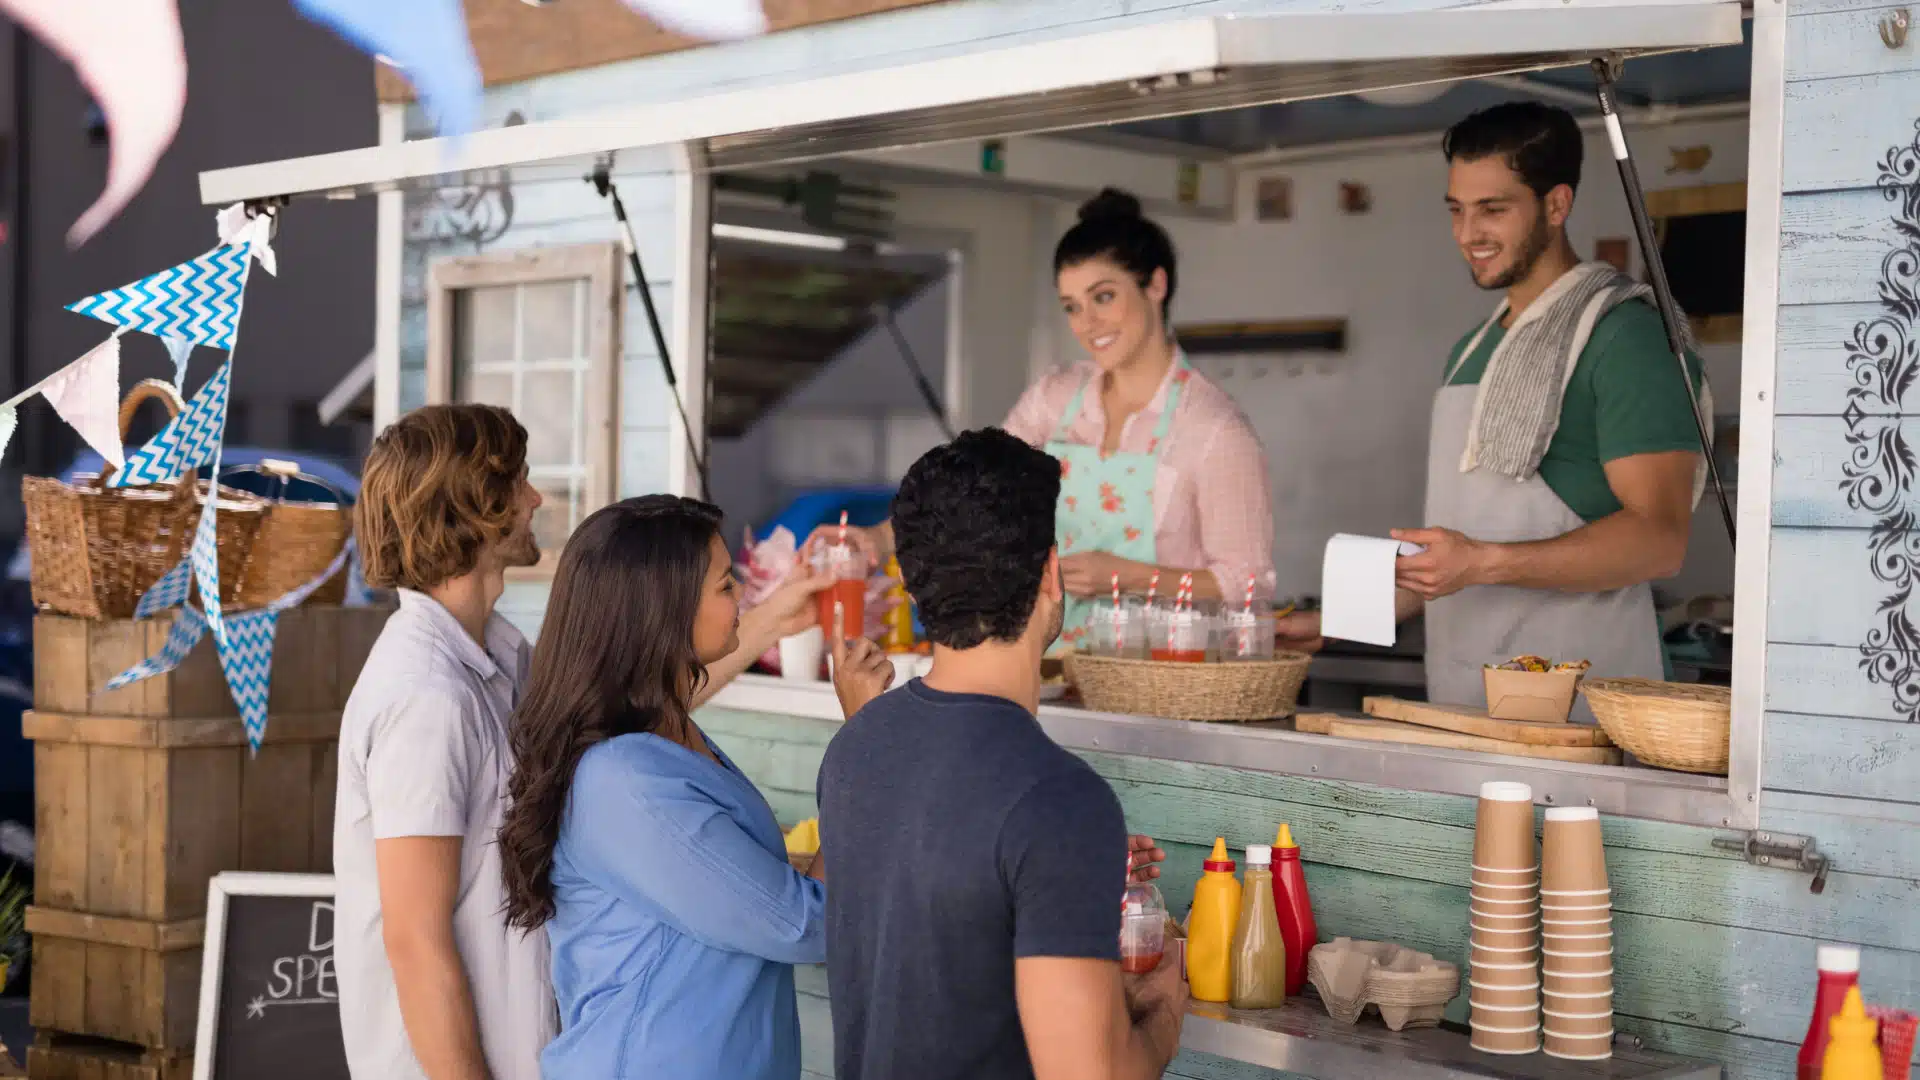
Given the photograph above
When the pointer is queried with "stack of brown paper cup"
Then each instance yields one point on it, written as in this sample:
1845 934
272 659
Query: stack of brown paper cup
1576 907
1504 968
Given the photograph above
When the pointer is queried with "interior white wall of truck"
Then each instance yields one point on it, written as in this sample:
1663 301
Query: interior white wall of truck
1345 432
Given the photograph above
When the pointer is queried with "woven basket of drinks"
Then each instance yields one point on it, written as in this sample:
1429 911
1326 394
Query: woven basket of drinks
95 549
296 541
1683 726
1242 690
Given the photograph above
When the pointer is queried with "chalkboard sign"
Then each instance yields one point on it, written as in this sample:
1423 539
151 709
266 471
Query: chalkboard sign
269 1003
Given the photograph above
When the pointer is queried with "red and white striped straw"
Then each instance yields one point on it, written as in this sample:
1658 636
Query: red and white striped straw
1249 594
1153 586
843 528
1186 591
1116 592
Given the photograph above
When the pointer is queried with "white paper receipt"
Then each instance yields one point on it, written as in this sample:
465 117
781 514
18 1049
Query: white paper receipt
1356 588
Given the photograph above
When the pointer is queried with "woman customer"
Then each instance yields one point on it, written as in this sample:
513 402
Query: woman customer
656 867
1160 473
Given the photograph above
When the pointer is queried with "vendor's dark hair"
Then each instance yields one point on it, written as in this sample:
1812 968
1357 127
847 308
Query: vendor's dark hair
615 657
1111 226
1540 142
972 526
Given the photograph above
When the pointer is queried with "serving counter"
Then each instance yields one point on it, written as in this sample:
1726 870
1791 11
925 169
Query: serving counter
1275 747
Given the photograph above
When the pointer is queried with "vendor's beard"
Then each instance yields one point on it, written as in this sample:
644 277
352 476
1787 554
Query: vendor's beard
1531 249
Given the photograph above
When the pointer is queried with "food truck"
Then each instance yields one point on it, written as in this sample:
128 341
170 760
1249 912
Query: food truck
924 156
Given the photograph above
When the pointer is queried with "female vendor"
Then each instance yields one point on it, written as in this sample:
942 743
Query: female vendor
1160 471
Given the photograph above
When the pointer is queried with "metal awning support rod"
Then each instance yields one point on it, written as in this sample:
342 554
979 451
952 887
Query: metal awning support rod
602 181
884 314
1603 74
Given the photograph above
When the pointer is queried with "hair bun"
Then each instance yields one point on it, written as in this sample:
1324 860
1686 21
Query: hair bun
1111 203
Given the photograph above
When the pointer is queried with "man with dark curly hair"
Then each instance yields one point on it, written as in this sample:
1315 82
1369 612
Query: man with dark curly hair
434 985
973 915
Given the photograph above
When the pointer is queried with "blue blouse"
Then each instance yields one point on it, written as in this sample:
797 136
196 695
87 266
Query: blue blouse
677 922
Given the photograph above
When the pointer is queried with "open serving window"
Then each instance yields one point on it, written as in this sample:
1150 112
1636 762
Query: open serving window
943 124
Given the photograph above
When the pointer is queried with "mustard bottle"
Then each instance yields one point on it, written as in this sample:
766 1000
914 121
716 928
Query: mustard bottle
899 621
1852 1052
1210 927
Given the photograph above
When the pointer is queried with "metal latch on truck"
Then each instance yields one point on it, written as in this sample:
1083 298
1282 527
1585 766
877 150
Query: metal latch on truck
1784 851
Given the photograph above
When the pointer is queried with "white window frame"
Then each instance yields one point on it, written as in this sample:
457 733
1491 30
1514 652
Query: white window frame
601 267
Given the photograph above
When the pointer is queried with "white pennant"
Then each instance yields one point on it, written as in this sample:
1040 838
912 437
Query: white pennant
712 19
180 349
86 394
252 231
9 419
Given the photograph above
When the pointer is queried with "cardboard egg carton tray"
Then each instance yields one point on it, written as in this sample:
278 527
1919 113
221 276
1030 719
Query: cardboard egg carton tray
1411 989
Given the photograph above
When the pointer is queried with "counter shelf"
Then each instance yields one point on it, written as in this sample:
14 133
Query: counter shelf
1273 746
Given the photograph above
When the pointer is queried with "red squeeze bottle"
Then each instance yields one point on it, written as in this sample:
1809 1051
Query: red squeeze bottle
1839 970
1296 909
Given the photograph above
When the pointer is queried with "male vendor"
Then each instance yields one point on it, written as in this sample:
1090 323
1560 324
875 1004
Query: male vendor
1564 464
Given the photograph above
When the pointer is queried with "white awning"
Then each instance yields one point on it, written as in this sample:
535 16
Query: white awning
1185 66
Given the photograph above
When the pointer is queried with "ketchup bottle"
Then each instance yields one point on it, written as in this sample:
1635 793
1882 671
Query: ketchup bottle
1839 972
1295 908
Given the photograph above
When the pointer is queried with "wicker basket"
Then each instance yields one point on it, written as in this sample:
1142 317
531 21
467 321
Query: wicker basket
1237 691
96 549
1683 726
295 543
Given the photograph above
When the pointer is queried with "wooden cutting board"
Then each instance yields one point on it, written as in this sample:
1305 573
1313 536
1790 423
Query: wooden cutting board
1459 718
1374 730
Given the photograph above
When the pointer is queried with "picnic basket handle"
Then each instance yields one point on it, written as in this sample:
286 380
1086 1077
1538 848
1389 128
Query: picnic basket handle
143 391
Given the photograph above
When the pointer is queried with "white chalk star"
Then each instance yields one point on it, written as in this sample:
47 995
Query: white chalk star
256 1008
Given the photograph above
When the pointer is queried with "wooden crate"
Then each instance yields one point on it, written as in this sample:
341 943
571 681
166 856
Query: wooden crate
318 652
132 980
134 815
71 1057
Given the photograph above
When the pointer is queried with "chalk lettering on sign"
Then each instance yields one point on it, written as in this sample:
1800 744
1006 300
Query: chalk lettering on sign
306 978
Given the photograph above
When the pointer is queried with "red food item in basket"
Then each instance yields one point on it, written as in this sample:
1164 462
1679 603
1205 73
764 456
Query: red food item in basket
1896 1040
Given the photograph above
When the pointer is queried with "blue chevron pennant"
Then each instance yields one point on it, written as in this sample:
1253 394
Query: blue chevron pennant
205 557
187 442
198 300
188 628
247 660
170 591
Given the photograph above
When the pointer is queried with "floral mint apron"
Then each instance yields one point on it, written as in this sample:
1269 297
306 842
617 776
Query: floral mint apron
1106 500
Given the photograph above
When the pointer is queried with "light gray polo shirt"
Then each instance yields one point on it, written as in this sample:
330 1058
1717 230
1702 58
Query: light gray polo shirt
424 752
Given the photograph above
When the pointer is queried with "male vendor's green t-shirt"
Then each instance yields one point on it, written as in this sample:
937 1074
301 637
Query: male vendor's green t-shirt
1625 398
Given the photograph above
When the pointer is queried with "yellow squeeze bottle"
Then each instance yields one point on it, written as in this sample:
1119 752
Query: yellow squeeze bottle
1210 927
899 618
1852 1052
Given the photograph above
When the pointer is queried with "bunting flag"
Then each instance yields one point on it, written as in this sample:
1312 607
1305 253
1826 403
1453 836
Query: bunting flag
170 591
179 349
86 394
188 628
128 54
198 300
244 228
246 659
187 442
425 40
711 19
205 556
9 419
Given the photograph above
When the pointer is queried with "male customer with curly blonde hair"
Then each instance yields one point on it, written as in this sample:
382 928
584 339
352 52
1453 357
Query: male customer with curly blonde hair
434 985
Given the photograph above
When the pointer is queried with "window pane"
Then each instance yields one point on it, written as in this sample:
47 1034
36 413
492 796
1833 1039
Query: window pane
483 321
487 388
547 410
549 321
558 514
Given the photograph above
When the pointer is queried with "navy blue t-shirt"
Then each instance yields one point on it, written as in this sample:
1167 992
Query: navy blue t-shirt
958 837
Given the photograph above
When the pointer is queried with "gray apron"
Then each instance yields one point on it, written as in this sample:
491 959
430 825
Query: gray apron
1490 624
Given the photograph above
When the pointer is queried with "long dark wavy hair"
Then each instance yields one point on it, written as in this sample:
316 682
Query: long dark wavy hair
615 656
